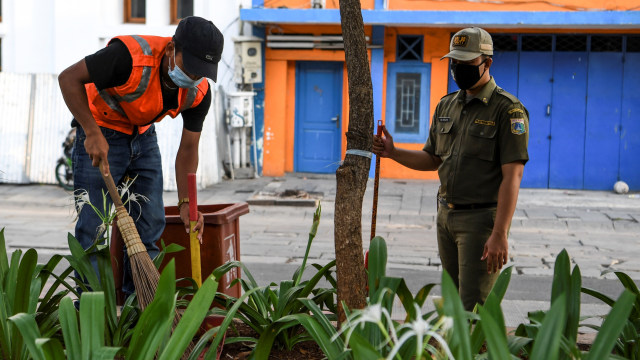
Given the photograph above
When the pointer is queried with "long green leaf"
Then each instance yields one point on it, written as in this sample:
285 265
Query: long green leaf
79 259
52 348
191 320
105 353
225 323
461 344
495 335
25 276
547 343
69 327
155 322
4 260
332 349
107 283
361 348
377 264
561 276
28 328
612 326
20 291
91 322
598 295
323 320
573 306
630 285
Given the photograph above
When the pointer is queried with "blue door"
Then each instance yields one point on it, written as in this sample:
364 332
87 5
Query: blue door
602 141
505 70
630 124
566 163
318 123
534 90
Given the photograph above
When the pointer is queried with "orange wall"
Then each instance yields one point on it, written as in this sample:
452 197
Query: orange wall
515 5
306 4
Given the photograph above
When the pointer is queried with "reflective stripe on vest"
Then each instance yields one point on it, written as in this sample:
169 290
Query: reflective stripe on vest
191 97
114 100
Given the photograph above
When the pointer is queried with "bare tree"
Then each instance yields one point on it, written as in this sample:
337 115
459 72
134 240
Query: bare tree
352 175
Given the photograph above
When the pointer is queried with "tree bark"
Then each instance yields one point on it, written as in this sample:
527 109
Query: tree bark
352 175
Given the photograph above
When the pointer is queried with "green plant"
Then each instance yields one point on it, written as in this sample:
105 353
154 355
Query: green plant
267 310
84 331
22 290
553 333
627 344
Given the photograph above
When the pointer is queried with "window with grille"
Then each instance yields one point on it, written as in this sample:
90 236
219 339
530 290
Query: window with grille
537 42
409 48
408 101
181 9
135 11
505 42
567 43
605 43
633 43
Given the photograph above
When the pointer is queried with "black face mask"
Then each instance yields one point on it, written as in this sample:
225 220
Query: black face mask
466 75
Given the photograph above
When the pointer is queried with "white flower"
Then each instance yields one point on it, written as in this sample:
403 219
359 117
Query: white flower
420 328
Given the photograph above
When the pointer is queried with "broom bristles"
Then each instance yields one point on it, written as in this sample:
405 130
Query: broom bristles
143 271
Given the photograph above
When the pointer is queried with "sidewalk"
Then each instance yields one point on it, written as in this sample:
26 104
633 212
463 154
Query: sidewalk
600 231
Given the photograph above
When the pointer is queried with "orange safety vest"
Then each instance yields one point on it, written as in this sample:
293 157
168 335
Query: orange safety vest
138 102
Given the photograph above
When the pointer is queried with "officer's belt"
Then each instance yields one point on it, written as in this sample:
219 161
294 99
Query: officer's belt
444 202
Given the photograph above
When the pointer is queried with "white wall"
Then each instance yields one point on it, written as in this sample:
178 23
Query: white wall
47 36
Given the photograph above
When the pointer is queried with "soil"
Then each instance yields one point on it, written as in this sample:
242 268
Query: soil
307 350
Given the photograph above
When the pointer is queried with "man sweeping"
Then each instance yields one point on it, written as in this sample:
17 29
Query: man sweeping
116 95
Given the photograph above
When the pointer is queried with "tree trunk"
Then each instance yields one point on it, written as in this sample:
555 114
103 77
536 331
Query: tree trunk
352 175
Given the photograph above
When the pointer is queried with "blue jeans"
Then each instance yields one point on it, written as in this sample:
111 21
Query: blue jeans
134 156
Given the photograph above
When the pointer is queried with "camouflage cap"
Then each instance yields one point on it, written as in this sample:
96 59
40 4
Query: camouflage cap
467 44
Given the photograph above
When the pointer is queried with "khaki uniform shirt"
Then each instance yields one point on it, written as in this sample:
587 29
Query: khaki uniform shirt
474 139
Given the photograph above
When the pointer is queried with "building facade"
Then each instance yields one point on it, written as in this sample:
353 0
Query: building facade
572 63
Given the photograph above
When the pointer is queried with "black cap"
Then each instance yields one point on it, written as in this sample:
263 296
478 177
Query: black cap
201 44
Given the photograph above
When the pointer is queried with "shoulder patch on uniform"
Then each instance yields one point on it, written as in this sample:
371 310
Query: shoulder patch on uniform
518 126
508 95
514 112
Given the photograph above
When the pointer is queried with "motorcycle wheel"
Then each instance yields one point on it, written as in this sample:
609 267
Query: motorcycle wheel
64 176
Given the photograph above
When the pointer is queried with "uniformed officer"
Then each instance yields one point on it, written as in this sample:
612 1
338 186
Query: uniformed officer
478 143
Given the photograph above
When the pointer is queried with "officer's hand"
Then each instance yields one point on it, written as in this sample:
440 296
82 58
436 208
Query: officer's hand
383 146
184 216
496 252
97 148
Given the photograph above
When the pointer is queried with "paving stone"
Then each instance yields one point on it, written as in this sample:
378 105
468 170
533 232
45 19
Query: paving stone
619 215
626 226
599 226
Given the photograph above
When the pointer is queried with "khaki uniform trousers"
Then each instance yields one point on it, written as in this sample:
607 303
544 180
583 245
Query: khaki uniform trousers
461 238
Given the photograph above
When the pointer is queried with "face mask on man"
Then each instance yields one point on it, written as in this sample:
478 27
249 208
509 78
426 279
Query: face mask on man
466 75
179 77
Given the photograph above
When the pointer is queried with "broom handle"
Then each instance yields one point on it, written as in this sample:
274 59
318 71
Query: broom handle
194 243
111 186
376 182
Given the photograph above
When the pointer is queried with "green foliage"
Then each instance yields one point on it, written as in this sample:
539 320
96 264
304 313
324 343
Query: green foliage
22 283
627 344
271 310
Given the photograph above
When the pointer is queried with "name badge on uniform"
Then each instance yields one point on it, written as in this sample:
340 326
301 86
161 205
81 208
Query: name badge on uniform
444 119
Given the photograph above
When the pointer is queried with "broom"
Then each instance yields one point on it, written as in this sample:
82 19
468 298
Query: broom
143 270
